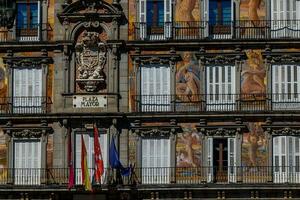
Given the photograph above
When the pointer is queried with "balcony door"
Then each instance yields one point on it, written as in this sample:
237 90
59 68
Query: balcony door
284 16
155 88
219 15
28 21
27 162
221 160
286 159
27 90
155 19
286 87
89 144
220 88
156 161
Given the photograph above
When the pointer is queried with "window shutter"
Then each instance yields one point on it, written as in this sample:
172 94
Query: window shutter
143 19
210 170
232 159
167 18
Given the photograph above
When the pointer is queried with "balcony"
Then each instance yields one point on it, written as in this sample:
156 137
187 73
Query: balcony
203 30
47 177
25 105
24 33
217 102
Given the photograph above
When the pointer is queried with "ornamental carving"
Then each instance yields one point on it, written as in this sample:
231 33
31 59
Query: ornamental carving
155 133
222 132
283 58
90 60
283 131
27 133
220 58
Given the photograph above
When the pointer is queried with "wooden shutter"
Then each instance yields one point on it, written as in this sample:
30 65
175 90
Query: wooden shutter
167 18
280 159
231 160
220 87
155 161
143 18
210 164
155 88
27 162
285 86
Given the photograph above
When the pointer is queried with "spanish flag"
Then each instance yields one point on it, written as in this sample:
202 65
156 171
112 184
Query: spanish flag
84 167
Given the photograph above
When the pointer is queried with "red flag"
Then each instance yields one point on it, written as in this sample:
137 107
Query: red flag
70 162
99 166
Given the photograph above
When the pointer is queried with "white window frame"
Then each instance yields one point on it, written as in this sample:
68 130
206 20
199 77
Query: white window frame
281 11
89 144
286 87
37 37
142 13
286 158
207 24
27 161
156 160
220 88
231 156
155 88
27 90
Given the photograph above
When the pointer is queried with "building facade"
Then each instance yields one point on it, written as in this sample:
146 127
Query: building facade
201 96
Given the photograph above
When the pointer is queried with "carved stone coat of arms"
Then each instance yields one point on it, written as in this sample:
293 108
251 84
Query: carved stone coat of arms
90 62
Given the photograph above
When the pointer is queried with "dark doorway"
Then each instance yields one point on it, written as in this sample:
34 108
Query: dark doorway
220 159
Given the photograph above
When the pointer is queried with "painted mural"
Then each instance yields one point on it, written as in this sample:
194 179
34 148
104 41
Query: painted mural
3 79
187 77
187 11
254 146
253 10
3 160
253 76
188 147
50 151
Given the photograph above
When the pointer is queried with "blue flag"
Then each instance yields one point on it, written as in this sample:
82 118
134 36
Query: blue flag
114 160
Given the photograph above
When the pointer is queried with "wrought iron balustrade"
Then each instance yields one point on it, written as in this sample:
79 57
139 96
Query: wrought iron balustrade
155 176
225 30
24 32
25 105
217 102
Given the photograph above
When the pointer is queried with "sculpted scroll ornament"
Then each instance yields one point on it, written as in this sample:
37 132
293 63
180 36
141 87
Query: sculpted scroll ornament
90 61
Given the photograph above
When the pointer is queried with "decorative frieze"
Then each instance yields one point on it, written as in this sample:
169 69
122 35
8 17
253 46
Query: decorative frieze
281 57
282 129
220 58
162 59
222 130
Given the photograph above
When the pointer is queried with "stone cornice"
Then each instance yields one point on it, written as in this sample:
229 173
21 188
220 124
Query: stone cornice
220 57
222 130
282 129
164 131
281 57
19 62
147 59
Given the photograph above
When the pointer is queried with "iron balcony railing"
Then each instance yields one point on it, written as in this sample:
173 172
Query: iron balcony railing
25 105
24 33
155 176
198 30
217 102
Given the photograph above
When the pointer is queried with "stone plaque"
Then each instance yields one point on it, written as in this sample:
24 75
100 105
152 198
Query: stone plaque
89 101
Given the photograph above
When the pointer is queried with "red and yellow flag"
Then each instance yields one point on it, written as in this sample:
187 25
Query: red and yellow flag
84 167
99 167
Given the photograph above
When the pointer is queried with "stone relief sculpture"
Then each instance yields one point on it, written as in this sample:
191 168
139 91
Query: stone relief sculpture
90 62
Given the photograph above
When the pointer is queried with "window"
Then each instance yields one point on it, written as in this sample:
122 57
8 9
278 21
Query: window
27 162
220 83
155 19
27 90
155 88
156 161
285 87
28 18
89 144
286 156
219 14
284 14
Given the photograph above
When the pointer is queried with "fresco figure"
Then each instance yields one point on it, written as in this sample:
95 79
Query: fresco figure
184 10
253 7
187 78
253 77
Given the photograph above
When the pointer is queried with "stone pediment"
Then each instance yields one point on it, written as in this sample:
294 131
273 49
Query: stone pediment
89 10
